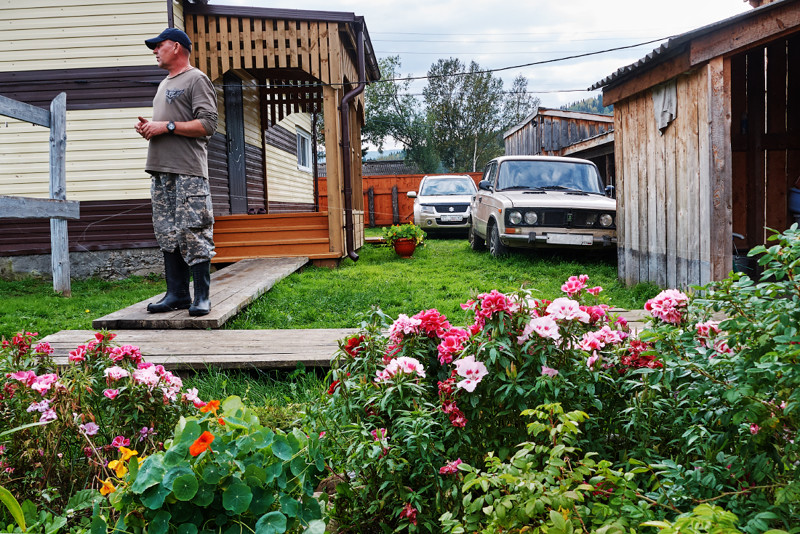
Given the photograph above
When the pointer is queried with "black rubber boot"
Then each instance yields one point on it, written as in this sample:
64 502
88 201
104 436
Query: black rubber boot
201 272
177 274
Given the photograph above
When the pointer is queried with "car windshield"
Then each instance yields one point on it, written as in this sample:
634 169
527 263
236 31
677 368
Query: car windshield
548 175
448 186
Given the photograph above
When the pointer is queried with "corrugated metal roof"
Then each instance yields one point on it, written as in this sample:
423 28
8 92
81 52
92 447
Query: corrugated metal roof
675 45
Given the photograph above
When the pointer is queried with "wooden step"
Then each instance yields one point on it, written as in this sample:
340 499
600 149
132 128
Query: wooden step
200 349
232 289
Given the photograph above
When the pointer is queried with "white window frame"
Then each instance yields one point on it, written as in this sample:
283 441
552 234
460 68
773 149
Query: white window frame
304 155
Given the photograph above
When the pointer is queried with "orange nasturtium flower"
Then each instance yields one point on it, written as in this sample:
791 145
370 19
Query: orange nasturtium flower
202 443
107 487
211 406
127 453
119 467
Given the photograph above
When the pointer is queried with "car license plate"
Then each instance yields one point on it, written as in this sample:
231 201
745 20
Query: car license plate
570 239
452 218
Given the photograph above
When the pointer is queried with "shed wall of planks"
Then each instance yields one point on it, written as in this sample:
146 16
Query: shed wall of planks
673 200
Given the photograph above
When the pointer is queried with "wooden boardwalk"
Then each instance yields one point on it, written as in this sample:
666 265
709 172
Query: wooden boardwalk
179 349
232 288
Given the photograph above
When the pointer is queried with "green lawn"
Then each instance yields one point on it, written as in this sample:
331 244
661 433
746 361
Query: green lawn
442 275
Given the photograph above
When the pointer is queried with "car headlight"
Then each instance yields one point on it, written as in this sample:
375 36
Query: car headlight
427 210
514 217
531 218
606 220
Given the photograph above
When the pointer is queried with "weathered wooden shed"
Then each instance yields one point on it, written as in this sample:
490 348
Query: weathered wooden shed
558 132
277 72
707 144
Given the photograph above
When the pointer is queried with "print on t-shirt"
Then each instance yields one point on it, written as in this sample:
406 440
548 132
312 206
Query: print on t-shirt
172 94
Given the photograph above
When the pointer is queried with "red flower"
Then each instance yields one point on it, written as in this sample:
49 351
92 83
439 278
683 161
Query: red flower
353 345
202 443
410 513
333 386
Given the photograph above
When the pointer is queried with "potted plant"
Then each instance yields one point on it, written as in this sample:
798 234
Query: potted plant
404 238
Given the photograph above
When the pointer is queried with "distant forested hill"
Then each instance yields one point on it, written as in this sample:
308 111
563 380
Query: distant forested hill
590 105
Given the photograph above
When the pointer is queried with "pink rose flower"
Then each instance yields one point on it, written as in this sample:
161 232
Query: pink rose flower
567 310
472 371
668 306
549 371
90 429
450 468
111 393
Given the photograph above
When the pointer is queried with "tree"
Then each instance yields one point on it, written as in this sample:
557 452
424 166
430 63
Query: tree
518 103
590 105
391 112
465 111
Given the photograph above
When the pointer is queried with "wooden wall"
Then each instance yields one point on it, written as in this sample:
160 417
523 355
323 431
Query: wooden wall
549 132
765 138
48 34
673 201
105 156
381 186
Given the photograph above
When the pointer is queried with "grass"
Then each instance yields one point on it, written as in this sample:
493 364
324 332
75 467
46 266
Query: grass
443 274
30 304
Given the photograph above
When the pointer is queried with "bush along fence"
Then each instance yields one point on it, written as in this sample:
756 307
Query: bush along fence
536 416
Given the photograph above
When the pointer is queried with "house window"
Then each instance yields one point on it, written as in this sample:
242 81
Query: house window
303 150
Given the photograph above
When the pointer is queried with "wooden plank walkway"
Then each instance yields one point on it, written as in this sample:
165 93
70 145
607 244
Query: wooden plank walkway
179 349
232 288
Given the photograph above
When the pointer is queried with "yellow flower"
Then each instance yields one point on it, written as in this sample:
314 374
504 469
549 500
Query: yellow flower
119 467
127 453
107 487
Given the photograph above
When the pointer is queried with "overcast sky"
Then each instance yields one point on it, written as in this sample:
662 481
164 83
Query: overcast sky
504 34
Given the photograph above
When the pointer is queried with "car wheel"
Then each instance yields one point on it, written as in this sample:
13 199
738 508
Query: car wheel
475 242
496 247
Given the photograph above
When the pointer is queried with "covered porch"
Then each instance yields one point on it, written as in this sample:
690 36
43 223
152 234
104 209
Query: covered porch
278 72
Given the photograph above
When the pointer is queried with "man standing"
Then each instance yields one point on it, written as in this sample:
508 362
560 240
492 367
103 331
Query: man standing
184 118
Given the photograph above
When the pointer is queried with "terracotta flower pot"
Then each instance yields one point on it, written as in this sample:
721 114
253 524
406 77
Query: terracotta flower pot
405 247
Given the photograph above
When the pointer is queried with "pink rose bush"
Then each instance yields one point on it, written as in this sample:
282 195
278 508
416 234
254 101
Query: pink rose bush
102 398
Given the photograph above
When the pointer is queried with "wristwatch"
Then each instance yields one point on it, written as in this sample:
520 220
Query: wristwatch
170 127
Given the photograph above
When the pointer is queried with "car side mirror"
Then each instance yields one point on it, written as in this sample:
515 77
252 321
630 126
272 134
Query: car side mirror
611 192
485 185
411 194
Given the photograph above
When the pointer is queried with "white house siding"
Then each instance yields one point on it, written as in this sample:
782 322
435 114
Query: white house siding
285 182
105 156
74 34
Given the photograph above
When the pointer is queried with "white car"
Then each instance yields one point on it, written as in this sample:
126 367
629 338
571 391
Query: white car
542 201
443 202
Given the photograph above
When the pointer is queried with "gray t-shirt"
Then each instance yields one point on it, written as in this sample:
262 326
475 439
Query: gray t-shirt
184 97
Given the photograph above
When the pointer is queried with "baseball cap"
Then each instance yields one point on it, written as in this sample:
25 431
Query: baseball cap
170 34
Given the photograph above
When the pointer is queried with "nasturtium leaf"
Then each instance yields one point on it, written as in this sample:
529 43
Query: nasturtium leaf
298 465
319 462
289 506
221 519
151 472
212 474
187 528
154 497
231 405
262 500
237 498
160 523
204 496
98 525
311 509
174 473
273 471
185 487
176 454
189 433
271 523
246 444
256 472
316 526
235 528
281 448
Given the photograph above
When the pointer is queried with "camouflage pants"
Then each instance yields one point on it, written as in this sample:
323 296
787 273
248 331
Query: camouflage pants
182 215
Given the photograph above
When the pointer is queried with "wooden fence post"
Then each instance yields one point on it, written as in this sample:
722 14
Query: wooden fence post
371 206
59 238
395 206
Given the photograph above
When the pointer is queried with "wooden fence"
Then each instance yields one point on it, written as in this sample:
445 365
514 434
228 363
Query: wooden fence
385 200
57 208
